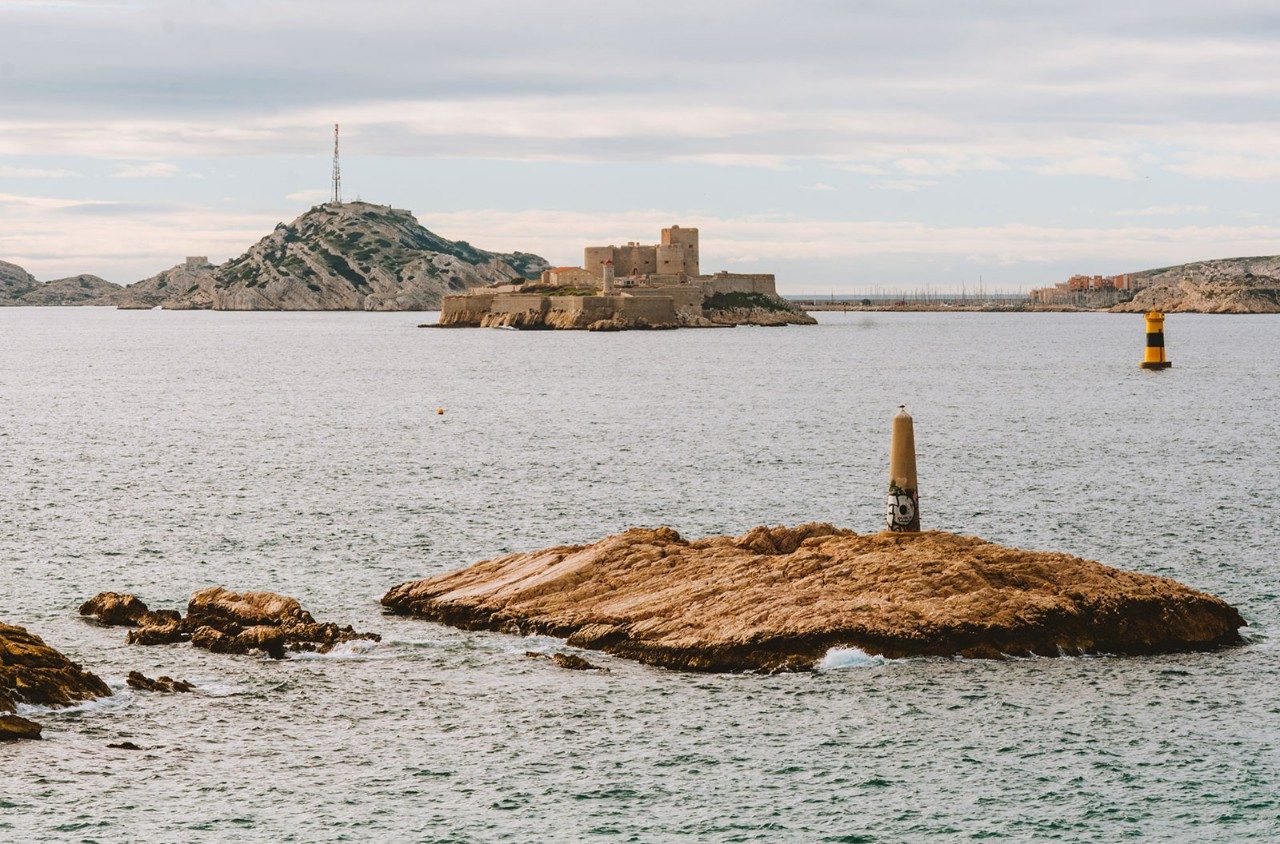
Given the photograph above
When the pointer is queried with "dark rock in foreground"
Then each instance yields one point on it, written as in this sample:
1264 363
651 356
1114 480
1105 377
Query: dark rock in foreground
571 661
163 683
32 672
780 598
223 621
16 728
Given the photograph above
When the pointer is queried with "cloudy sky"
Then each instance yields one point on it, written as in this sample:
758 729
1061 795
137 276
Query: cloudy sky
841 144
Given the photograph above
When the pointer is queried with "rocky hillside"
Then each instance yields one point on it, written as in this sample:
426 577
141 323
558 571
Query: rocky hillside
190 284
74 290
14 282
19 287
348 256
1225 286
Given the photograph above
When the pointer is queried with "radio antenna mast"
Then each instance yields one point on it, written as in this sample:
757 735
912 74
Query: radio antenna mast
337 172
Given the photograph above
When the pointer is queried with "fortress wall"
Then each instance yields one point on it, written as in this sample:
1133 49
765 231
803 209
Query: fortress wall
656 310
763 283
593 258
635 260
671 259
517 303
593 307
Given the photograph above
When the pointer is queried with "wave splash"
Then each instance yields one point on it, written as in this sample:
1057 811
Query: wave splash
839 658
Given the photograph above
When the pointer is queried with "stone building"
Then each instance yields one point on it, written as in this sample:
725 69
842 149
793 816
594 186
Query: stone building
675 255
633 285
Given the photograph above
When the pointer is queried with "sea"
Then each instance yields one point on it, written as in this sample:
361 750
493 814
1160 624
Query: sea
158 452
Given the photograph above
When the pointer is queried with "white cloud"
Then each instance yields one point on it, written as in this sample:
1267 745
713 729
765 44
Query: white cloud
1161 211
148 170
904 185
7 172
308 196
818 186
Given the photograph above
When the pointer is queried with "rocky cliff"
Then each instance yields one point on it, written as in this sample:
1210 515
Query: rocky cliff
14 283
19 287
1226 286
780 598
348 256
183 286
74 290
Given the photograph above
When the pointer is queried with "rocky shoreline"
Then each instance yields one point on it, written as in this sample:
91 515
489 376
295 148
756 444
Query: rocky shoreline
33 673
222 621
779 598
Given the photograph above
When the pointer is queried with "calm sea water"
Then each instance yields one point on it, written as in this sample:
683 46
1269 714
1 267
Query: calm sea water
158 452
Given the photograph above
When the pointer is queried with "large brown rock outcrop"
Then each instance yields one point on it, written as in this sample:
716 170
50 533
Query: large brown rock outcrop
780 598
32 672
223 621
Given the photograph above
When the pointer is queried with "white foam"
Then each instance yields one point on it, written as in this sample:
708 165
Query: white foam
838 658
116 701
356 649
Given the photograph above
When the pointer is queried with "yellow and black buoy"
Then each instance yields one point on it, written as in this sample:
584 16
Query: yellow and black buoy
1154 358
439 411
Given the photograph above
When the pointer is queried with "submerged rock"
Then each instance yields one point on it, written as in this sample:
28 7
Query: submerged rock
16 728
779 598
31 672
163 683
223 621
571 661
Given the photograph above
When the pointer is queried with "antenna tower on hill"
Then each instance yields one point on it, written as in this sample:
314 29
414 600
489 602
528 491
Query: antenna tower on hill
337 171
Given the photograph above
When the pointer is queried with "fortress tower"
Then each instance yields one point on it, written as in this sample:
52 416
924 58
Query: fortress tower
677 254
678 251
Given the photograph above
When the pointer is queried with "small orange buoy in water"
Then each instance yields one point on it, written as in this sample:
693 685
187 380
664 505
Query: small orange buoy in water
439 411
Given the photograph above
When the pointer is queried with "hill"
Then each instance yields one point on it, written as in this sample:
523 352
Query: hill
337 256
1223 286
19 287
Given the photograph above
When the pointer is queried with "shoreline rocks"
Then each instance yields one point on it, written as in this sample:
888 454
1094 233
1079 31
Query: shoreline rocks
163 683
222 621
779 598
33 673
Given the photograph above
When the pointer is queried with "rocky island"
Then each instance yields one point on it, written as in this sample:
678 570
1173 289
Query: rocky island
338 256
779 598
349 256
622 287
33 673
223 621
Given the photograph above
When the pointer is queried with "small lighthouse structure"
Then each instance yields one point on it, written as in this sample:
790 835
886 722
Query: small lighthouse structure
607 278
903 512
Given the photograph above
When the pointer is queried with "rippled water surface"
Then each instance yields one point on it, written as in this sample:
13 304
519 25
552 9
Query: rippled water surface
159 452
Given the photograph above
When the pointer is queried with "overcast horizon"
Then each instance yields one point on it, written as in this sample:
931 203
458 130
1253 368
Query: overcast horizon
839 145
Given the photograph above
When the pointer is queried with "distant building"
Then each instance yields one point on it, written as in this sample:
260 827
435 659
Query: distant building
658 284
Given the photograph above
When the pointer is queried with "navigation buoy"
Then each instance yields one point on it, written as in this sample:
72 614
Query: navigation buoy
903 512
1154 357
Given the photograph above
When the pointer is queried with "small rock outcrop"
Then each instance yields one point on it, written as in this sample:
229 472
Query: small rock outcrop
31 672
17 728
566 660
223 621
779 598
163 683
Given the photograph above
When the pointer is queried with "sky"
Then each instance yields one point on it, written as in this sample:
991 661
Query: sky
845 146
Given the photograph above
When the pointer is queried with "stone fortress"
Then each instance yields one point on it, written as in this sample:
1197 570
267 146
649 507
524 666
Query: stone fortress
630 286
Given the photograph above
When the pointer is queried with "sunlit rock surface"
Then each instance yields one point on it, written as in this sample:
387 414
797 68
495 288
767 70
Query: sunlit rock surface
779 598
